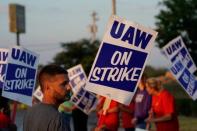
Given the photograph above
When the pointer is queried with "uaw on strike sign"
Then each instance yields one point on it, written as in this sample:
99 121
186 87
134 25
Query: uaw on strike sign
176 49
20 76
84 100
120 60
185 78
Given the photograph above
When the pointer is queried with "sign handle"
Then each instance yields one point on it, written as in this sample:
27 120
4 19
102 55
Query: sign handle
106 105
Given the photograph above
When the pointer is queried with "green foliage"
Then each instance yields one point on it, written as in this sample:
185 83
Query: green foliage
187 123
176 90
154 72
178 17
186 107
184 104
78 52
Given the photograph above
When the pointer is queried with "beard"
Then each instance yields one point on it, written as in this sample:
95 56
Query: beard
61 98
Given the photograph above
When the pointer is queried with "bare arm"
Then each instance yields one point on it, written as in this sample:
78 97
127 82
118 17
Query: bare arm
125 109
112 110
166 117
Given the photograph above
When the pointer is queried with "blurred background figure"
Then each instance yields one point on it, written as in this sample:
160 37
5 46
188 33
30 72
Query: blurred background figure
80 120
66 110
127 114
163 112
142 104
108 118
5 120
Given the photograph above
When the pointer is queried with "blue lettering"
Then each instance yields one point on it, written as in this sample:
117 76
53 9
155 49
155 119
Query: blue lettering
178 43
15 53
175 46
177 67
3 56
173 69
169 51
129 35
142 38
31 59
23 56
114 33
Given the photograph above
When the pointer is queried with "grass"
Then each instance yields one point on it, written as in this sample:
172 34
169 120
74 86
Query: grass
185 124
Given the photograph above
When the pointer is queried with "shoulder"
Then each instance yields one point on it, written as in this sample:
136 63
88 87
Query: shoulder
43 110
165 94
39 106
60 123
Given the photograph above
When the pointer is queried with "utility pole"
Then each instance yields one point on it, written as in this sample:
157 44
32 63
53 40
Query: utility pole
108 100
113 7
93 27
17 25
17 38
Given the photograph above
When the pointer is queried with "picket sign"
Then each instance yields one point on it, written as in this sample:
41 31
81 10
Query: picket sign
182 65
12 64
38 93
185 78
120 60
20 75
3 64
81 98
176 49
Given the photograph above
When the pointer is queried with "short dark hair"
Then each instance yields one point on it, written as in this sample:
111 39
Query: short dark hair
50 70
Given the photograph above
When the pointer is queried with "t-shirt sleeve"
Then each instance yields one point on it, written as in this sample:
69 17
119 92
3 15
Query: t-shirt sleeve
168 103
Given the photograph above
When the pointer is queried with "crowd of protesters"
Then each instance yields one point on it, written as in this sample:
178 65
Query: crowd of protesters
150 104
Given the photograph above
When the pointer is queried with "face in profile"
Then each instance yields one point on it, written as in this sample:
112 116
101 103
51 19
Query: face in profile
152 86
141 85
149 89
60 88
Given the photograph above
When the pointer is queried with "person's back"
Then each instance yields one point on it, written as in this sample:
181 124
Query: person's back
44 117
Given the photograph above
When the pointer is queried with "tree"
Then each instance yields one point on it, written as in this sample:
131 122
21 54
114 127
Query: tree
178 17
154 72
78 52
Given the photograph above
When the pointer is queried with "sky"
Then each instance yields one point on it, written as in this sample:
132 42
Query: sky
50 22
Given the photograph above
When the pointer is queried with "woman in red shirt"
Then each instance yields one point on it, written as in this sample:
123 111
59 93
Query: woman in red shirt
163 107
